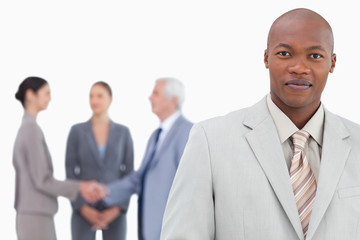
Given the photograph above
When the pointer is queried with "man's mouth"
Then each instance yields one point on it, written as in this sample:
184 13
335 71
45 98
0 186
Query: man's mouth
298 84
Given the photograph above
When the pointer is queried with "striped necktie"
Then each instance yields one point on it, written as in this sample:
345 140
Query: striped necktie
302 179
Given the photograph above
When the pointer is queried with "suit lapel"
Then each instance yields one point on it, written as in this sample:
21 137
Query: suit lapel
265 143
111 140
174 128
335 152
92 143
148 151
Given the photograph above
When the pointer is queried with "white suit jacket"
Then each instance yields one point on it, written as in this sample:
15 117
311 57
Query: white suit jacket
233 182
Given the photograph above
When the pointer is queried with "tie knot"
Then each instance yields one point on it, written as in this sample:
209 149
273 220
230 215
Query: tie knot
299 139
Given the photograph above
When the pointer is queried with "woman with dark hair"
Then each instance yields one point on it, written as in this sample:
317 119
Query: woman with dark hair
36 188
99 149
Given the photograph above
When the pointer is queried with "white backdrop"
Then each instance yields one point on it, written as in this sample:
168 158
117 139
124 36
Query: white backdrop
214 47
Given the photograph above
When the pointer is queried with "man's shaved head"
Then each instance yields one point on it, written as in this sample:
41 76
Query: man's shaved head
299 14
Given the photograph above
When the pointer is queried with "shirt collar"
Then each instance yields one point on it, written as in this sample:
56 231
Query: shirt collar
286 128
168 122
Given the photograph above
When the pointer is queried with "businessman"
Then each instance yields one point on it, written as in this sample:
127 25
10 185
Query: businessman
153 180
283 169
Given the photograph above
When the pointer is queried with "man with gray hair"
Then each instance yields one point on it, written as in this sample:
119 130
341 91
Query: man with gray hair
153 180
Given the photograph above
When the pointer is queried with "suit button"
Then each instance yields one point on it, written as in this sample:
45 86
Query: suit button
77 170
122 167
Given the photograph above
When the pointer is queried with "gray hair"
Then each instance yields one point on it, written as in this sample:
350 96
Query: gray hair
174 88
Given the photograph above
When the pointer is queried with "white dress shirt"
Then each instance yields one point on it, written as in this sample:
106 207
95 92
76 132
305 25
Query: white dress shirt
286 128
166 126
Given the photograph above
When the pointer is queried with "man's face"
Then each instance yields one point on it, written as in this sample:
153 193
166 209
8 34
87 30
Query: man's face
299 58
161 104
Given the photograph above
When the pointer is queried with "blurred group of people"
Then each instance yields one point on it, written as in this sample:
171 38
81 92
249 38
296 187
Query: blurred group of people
99 166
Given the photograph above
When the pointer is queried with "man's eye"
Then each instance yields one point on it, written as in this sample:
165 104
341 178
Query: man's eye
284 53
316 56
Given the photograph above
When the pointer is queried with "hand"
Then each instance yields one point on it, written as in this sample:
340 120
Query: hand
92 191
108 215
93 216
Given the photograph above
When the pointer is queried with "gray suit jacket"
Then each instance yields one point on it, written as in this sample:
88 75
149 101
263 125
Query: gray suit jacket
233 182
158 179
36 189
83 161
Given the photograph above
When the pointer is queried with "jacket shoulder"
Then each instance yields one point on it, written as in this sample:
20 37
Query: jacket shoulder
245 118
120 127
185 123
235 117
352 127
80 126
30 128
350 124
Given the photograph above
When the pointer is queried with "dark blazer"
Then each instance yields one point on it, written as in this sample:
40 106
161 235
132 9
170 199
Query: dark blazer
83 162
36 189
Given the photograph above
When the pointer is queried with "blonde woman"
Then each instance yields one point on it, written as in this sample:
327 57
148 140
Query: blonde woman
103 150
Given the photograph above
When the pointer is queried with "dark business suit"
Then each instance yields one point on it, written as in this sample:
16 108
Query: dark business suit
36 188
157 181
83 162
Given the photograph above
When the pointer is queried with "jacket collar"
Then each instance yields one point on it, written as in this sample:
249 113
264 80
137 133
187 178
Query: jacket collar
264 140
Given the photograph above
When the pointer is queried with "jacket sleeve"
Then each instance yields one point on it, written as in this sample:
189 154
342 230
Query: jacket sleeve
72 165
129 167
41 169
189 213
121 190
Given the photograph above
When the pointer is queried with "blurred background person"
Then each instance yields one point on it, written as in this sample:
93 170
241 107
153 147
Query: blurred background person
154 178
103 150
36 189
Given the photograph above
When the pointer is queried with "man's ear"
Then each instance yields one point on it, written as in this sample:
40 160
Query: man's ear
333 62
175 100
266 58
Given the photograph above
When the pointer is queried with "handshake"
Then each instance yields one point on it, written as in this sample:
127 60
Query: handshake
92 191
